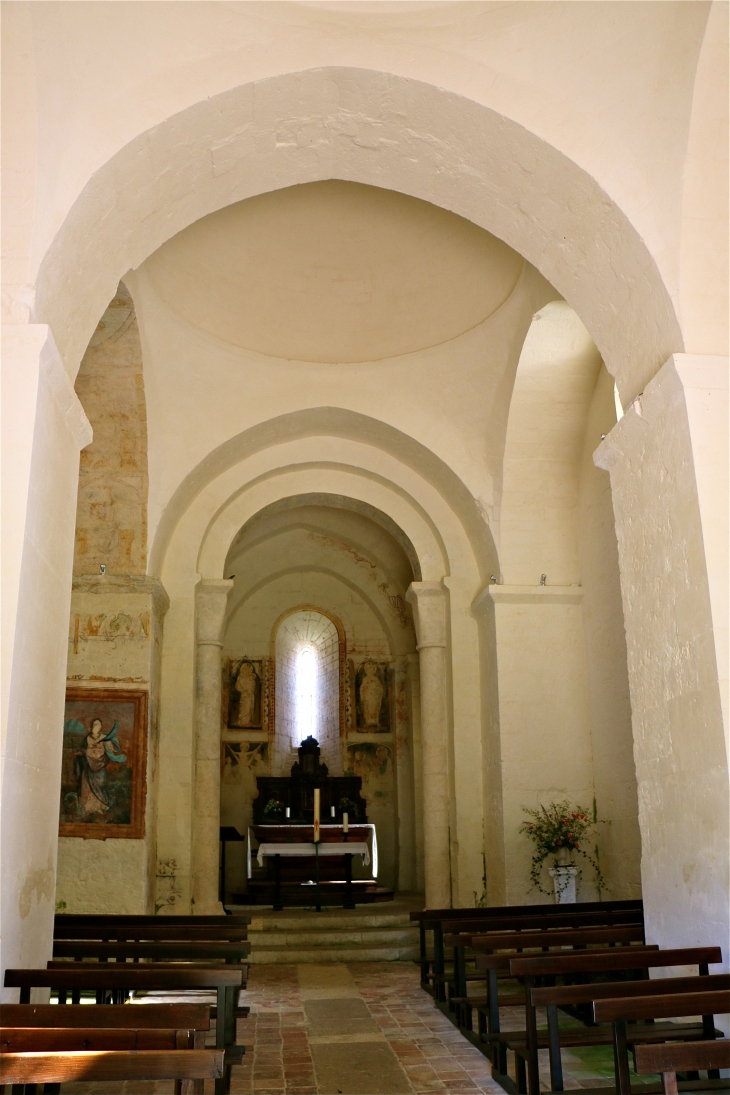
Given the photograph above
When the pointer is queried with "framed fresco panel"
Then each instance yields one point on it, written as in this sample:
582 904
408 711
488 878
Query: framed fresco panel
104 774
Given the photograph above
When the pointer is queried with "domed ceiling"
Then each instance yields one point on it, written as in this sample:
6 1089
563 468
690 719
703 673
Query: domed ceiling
334 272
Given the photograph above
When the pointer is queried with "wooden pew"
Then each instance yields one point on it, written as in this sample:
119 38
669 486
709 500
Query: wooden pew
110 1066
137 920
518 942
153 951
426 919
626 959
670 1059
102 977
569 996
666 1006
121 933
105 1027
553 916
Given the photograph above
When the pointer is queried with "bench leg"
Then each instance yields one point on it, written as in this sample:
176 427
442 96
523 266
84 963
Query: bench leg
621 1058
533 1065
669 1083
556 1063
520 1074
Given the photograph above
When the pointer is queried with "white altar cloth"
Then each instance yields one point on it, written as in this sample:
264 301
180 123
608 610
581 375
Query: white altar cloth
360 825
354 847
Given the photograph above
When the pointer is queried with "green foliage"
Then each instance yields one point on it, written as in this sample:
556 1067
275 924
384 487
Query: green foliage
557 828
272 807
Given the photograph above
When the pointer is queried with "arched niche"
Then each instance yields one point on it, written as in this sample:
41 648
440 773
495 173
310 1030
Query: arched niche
307 628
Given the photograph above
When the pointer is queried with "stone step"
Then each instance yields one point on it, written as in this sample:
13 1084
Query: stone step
345 953
330 922
327 937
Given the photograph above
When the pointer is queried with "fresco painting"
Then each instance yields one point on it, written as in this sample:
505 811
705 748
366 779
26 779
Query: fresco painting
103 779
372 699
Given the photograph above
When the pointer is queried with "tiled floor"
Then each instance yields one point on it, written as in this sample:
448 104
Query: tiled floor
361 1029
394 1041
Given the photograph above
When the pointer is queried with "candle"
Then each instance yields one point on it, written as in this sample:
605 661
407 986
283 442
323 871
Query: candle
344 823
316 815
288 812
332 811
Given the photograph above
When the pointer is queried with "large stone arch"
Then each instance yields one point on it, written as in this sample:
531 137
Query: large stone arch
412 475
370 127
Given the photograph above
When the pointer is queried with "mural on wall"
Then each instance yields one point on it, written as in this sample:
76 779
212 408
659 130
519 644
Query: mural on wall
369 761
371 698
243 682
103 779
241 757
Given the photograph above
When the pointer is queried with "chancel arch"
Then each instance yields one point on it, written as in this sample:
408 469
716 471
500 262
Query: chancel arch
344 598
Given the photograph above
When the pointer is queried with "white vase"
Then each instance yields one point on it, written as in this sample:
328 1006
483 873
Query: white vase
564 883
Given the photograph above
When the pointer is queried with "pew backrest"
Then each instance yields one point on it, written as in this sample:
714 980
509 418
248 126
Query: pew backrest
180 1016
562 995
515 911
662 1006
495 941
683 1056
157 951
625 958
65 1039
101 1066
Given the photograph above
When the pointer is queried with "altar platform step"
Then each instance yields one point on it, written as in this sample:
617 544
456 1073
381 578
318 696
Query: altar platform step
334 935
261 892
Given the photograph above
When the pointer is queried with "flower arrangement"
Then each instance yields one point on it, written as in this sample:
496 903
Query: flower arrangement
559 830
347 806
273 806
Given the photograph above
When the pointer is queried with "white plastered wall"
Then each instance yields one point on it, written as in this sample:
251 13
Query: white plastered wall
563 718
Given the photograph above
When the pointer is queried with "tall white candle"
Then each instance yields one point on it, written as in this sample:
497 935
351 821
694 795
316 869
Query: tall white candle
345 820
288 812
316 815
332 811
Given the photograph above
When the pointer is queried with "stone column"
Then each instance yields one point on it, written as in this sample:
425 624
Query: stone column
404 777
429 611
211 596
43 429
668 460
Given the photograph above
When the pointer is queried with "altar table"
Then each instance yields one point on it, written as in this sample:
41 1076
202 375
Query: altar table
324 848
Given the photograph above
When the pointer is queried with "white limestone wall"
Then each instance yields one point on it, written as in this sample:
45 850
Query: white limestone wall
614 771
664 500
544 718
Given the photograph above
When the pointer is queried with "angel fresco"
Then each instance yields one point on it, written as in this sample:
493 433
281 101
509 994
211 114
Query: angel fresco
94 794
102 783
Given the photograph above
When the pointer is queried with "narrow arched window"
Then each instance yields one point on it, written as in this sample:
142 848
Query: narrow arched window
306 694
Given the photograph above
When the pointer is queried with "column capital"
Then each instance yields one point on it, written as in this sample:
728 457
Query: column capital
211 599
429 612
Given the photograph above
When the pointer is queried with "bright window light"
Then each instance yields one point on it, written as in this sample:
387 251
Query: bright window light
306 692
617 401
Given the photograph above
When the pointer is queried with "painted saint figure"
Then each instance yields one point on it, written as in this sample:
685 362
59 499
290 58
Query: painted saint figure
371 695
246 687
99 749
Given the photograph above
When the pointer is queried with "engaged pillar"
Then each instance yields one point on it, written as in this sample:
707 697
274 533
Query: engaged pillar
429 610
210 616
668 459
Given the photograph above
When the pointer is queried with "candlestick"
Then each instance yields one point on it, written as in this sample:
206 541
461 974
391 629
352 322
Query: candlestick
316 815
345 821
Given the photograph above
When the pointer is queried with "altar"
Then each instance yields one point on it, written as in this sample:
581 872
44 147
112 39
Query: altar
281 839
